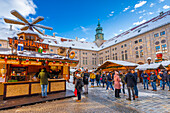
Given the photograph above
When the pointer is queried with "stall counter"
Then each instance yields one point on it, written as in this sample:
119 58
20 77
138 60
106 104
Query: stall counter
28 88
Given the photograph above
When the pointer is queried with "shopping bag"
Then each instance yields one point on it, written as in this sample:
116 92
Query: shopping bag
75 92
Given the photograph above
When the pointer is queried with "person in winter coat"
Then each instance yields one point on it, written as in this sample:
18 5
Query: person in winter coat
117 84
86 81
110 81
145 79
43 76
160 78
153 78
98 79
169 79
78 86
92 78
122 76
130 80
135 87
165 79
104 78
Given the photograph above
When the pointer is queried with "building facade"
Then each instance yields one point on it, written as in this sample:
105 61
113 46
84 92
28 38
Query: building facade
134 45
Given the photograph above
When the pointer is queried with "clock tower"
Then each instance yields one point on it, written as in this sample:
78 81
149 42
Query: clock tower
99 34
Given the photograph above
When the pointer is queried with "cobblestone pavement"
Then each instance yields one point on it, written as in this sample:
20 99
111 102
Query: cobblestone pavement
148 101
101 101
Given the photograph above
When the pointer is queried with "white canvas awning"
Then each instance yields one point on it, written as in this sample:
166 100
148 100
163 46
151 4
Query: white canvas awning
150 66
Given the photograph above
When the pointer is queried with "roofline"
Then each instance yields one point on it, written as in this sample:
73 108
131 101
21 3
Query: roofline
135 36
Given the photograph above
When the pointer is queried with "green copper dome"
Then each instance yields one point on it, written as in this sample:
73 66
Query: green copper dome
99 34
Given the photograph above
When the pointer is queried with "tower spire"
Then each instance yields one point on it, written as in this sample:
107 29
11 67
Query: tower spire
98 23
99 34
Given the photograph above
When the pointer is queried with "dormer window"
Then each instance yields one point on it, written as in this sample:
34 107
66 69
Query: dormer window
73 44
49 41
115 41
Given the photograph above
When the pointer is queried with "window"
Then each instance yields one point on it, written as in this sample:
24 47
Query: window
51 50
156 35
126 56
113 49
140 47
140 40
125 45
76 52
136 48
101 60
122 56
85 60
0 45
164 48
94 61
162 33
157 48
141 53
116 56
122 46
106 57
157 42
163 41
113 57
136 42
137 54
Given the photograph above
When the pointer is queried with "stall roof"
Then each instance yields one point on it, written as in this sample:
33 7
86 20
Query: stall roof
165 63
118 62
150 66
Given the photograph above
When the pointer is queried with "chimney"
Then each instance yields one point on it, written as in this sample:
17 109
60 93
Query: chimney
10 28
76 38
44 32
161 13
53 34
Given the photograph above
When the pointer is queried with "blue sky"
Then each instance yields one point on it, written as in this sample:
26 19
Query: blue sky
71 18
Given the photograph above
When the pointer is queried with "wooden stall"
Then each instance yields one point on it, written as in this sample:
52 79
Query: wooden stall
111 65
17 73
154 67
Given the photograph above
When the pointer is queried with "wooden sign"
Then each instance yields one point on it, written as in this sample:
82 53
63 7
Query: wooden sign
55 64
12 62
28 43
31 63
2 61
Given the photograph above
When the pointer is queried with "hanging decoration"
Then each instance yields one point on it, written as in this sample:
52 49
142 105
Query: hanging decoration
46 62
53 62
37 60
60 62
27 60
6 58
17 59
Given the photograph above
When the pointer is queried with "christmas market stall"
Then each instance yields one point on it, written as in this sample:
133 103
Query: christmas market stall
25 58
111 65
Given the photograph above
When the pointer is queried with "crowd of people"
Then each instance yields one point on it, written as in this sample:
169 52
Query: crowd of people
116 81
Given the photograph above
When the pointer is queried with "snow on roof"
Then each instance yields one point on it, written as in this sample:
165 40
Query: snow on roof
150 66
120 62
5 33
71 43
142 28
64 42
28 31
165 63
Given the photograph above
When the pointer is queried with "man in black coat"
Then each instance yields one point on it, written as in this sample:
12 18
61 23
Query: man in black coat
86 81
130 80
